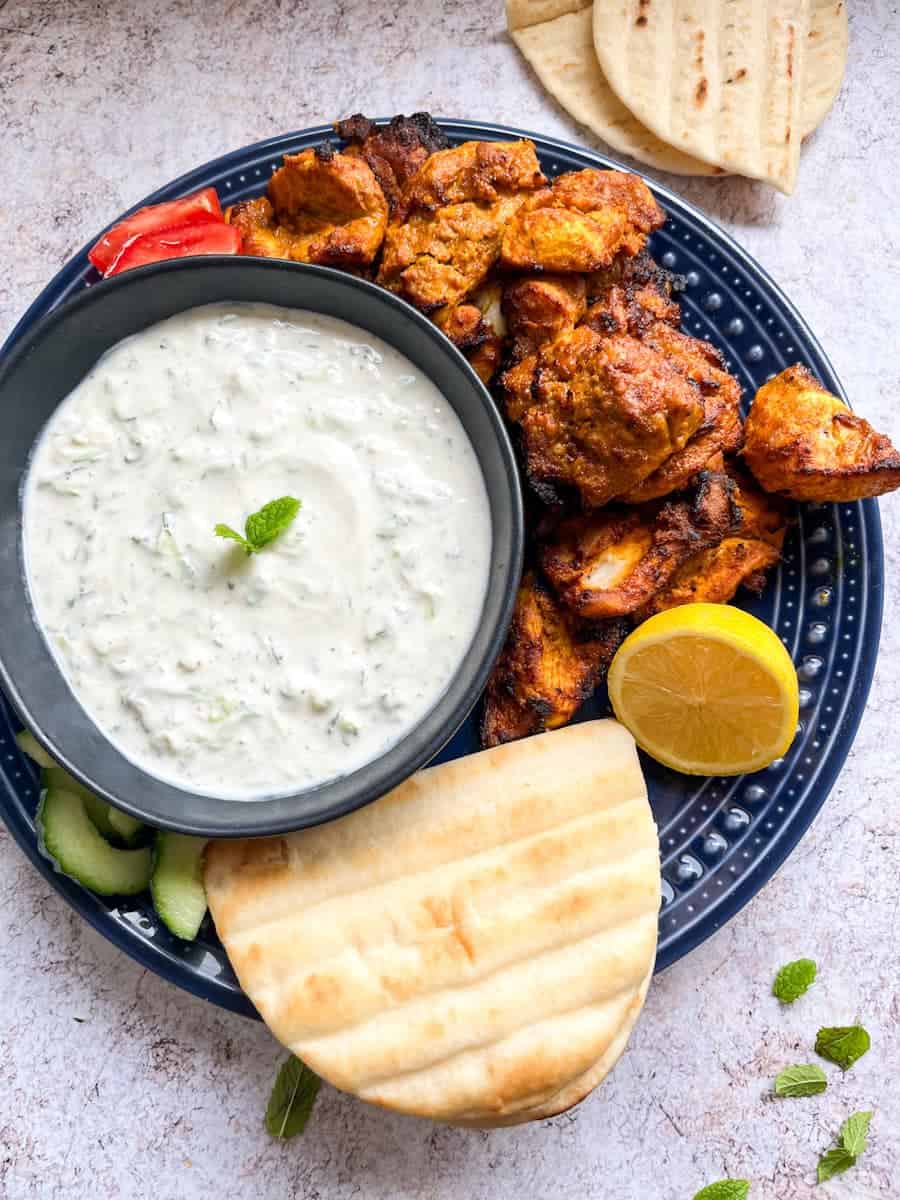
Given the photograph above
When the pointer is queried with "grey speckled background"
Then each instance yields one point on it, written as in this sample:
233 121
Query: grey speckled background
112 1083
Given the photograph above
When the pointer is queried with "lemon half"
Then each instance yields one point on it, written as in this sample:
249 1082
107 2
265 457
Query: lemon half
707 690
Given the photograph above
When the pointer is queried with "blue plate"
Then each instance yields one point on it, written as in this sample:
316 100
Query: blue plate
721 839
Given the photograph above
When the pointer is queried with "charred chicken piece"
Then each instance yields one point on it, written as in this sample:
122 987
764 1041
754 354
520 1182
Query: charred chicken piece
720 430
477 326
538 308
321 207
802 442
741 560
445 235
395 151
612 563
547 668
581 223
600 414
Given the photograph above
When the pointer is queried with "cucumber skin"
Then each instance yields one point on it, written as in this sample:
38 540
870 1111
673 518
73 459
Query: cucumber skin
140 861
176 883
30 746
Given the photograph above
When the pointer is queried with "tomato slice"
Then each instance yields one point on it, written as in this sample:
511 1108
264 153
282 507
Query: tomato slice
189 210
209 237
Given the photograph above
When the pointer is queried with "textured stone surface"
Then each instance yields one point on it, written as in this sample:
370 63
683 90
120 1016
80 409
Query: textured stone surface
112 1083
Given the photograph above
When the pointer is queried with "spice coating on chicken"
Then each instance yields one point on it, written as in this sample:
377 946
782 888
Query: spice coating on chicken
321 207
395 151
445 235
581 223
547 668
611 563
802 442
599 414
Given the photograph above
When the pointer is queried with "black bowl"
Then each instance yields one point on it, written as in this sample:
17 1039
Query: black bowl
48 363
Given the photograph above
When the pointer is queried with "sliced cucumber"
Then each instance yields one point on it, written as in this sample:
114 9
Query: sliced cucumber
68 837
29 745
98 810
177 882
126 827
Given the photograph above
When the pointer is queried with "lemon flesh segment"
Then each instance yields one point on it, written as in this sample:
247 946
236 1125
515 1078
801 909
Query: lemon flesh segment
706 690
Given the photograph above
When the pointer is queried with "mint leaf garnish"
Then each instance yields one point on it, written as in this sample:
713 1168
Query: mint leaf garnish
805 1080
843 1044
292 1099
855 1132
263 526
725 1189
853 1139
793 980
834 1162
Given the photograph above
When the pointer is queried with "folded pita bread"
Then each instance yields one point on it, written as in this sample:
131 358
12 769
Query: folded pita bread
473 947
727 91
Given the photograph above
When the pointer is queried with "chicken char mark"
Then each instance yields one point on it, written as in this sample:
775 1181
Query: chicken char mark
395 151
548 667
611 563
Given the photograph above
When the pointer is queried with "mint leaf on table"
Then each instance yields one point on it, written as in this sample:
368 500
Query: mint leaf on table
853 1140
725 1189
263 526
793 980
843 1044
292 1099
855 1132
834 1162
805 1080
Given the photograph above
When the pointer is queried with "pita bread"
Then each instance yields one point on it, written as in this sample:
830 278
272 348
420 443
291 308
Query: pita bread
560 50
579 1089
473 946
729 92
826 60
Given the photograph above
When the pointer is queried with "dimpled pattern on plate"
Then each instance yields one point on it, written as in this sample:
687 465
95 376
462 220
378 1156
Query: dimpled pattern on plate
721 839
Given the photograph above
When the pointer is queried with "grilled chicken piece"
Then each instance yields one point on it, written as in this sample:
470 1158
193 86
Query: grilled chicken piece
538 308
547 667
630 296
477 326
445 235
581 223
802 442
720 430
611 563
742 560
600 414
321 207
395 151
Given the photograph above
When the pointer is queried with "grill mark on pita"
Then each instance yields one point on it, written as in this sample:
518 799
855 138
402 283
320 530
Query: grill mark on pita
639 929
627 877
550 823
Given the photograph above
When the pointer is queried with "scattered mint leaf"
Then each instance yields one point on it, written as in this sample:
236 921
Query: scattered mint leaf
843 1044
793 980
834 1162
854 1133
273 518
805 1080
263 526
853 1139
292 1099
725 1189
226 531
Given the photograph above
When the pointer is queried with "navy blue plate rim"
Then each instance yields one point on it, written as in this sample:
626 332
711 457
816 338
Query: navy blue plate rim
178 962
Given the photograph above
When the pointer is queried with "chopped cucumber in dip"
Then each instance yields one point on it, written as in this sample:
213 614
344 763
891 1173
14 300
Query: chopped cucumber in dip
177 882
71 840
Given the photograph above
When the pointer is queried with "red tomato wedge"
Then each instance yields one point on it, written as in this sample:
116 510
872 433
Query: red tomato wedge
190 210
212 237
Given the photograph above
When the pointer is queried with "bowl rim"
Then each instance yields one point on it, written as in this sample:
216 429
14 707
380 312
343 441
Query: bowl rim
255 818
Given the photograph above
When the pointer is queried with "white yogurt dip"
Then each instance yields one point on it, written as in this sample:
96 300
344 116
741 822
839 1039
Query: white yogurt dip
246 676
